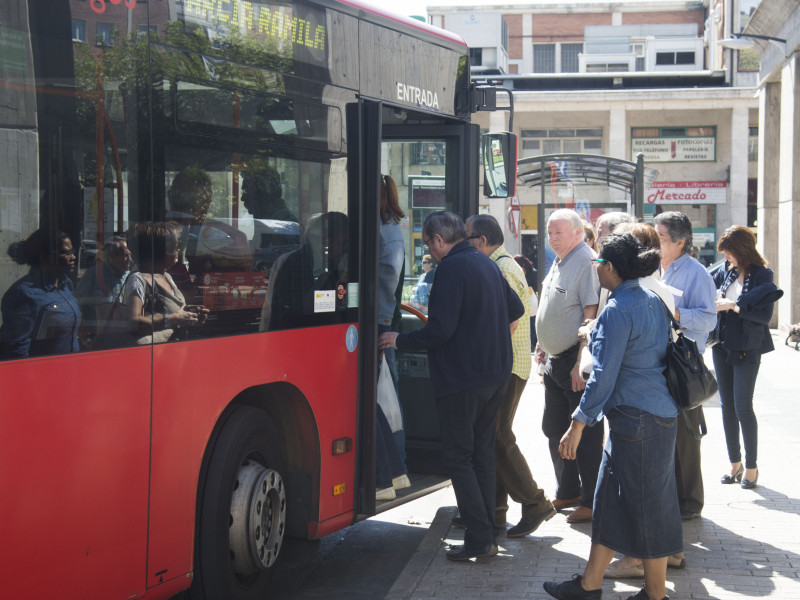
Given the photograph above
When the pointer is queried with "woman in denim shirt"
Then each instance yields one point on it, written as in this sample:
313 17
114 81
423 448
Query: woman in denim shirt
40 312
636 501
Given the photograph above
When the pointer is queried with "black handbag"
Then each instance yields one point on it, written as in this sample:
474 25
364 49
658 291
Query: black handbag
688 379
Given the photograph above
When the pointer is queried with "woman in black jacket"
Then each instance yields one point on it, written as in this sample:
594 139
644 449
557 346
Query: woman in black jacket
745 298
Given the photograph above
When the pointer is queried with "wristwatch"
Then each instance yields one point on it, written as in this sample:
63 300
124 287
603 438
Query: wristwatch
166 320
736 308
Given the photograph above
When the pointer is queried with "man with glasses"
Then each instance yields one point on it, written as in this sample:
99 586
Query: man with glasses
468 339
101 286
570 294
514 476
695 295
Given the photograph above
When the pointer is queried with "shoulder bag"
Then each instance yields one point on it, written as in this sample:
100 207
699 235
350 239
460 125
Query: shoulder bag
689 381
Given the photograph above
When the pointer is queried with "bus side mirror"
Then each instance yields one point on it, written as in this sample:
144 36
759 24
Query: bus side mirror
499 165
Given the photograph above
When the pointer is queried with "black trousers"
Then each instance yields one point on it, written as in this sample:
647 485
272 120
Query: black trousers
573 477
467 421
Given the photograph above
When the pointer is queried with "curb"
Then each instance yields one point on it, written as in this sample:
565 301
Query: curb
406 583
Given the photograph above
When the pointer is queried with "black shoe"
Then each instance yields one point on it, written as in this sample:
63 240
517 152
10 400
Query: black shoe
571 590
528 525
460 553
749 485
727 479
642 595
687 515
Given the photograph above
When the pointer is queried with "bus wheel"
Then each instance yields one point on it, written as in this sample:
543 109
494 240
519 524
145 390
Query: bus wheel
242 511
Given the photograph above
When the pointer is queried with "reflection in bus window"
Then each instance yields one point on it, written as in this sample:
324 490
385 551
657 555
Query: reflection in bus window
306 286
99 293
40 312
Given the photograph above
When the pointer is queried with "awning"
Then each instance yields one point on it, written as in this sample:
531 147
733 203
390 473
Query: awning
584 169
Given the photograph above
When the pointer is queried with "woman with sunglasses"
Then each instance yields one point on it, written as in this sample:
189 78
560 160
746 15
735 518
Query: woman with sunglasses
40 312
636 499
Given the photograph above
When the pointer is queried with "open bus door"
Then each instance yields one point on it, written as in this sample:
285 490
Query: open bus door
433 163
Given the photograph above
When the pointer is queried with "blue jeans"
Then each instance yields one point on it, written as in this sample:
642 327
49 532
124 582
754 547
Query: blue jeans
636 502
736 375
467 421
390 447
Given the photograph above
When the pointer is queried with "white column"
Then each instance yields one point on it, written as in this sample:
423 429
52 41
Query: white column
527 44
789 193
769 134
618 146
736 213
618 134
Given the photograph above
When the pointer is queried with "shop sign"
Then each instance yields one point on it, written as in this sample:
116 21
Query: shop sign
675 149
687 192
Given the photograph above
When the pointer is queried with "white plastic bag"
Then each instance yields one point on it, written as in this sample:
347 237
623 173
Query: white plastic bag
387 397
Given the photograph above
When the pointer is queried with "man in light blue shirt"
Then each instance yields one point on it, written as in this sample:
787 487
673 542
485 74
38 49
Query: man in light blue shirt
694 293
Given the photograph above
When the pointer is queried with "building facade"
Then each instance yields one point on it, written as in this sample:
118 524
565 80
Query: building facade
619 79
779 145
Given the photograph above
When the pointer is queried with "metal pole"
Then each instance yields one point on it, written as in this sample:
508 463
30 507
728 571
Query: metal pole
638 188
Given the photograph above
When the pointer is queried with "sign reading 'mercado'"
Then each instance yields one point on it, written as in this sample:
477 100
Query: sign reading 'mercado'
417 96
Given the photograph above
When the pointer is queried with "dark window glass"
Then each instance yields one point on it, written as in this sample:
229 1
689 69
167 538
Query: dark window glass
665 58
684 58
544 58
569 57
78 30
592 145
105 33
476 56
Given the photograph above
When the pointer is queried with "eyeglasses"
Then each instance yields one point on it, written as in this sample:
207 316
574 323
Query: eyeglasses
64 252
599 261
427 262
474 236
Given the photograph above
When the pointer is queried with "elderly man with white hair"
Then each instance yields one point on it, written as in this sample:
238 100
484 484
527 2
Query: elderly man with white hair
570 294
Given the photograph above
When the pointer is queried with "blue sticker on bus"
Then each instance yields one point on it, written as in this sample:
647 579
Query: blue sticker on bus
351 339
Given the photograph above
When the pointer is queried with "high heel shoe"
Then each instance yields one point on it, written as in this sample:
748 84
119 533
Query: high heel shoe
736 478
749 485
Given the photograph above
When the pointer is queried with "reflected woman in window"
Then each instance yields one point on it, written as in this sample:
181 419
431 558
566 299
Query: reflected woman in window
40 312
156 307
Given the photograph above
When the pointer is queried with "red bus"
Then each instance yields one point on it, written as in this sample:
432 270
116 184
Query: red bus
141 467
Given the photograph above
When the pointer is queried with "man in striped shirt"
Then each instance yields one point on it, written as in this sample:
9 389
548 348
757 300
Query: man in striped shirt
514 477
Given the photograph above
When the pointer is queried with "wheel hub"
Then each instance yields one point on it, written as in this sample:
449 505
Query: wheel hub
258 518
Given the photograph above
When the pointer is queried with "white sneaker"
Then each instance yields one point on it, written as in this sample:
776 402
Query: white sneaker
402 482
385 494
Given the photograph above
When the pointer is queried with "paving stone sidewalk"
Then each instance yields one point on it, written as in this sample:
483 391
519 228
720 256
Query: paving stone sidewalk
745 545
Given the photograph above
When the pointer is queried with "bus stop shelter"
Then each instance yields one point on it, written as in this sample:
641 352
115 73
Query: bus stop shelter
583 170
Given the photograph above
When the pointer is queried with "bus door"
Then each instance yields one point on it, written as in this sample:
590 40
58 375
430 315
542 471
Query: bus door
433 162
430 166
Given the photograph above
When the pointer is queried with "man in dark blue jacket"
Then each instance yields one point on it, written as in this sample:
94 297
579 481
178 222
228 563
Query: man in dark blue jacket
471 313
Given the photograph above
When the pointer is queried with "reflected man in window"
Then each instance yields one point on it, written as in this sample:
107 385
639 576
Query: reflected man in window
319 264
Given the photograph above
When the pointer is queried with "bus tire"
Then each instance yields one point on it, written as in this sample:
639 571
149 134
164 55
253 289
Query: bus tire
241 520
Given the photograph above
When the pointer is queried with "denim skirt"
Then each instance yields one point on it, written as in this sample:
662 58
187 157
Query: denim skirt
636 500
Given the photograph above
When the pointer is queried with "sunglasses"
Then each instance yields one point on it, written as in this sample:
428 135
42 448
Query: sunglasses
599 260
